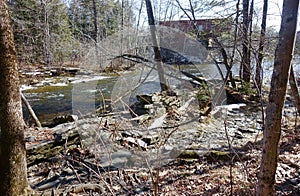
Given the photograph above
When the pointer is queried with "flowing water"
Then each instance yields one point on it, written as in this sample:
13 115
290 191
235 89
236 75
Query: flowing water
53 100
49 101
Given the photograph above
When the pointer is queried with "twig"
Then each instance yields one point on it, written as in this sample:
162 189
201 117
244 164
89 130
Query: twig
231 154
259 91
97 174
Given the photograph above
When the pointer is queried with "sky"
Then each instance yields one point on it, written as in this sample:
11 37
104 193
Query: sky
274 13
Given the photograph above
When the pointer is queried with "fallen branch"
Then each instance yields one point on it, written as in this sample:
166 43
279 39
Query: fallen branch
30 110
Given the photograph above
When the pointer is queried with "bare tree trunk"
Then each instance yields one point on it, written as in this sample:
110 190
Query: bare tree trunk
138 24
228 65
294 88
250 24
272 132
250 30
258 72
245 64
47 40
96 32
157 54
13 176
122 25
234 43
95 22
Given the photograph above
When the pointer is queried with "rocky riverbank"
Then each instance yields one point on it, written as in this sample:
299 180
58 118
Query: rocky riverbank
163 140
79 161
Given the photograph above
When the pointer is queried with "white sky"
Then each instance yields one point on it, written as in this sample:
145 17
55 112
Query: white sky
274 14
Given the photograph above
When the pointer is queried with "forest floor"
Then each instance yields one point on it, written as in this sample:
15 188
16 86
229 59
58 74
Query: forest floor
73 172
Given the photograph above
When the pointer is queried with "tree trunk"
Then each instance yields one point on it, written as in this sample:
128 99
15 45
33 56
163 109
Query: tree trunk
235 41
96 33
226 63
258 72
250 31
95 21
245 65
157 54
47 41
283 57
294 89
13 177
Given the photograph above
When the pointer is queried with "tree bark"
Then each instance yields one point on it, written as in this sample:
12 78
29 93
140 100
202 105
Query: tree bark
157 54
95 21
96 32
258 72
47 38
245 64
228 65
13 176
272 132
234 42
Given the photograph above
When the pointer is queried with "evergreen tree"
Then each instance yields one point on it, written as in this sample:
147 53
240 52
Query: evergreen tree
108 13
27 31
42 31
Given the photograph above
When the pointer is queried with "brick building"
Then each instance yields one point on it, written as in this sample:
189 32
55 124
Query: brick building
203 25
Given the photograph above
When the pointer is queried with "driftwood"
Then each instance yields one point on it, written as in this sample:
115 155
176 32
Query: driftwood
30 110
201 80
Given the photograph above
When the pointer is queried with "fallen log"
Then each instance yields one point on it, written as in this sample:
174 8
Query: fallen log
43 150
65 136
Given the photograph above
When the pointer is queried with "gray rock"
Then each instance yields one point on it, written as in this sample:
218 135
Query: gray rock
69 171
156 98
294 181
150 139
167 148
121 153
238 135
34 81
149 106
30 139
136 142
141 119
160 111
64 119
244 130
126 134
116 159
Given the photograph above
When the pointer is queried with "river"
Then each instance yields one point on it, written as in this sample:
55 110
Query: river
50 99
